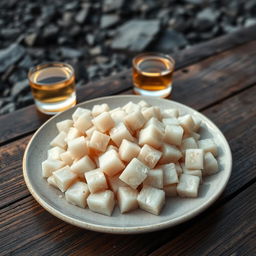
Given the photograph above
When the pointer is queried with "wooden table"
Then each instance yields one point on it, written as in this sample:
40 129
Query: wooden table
217 78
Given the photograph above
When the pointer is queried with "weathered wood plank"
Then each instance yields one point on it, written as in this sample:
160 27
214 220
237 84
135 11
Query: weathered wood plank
29 224
28 119
229 230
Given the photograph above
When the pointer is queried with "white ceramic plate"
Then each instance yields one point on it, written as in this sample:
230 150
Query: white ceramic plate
175 211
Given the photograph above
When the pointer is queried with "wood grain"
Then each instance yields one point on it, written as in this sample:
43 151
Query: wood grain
28 119
34 229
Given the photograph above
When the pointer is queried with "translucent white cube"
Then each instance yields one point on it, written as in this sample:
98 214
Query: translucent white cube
154 178
151 199
131 107
135 120
170 112
170 121
194 159
187 123
170 154
78 147
54 153
118 115
64 178
150 112
188 143
103 122
128 150
192 172
89 132
83 165
149 156
99 141
78 112
83 122
134 173
143 103
120 132
208 145
98 109
51 181
169 174
127 199
63 126
210 164
59 140
197 123
72 134
152 136
188 185
154 121
110 163
178 168
96 180
102 202
50 165
77 194
173 134
66 157
114 183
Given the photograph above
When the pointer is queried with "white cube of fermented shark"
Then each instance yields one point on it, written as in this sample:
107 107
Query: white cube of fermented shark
98 109
151 199
173 134
195 135
134 173
169 174
54 153
77 194
103 122
99 141
50 165
72 134
131 107
188 143
170 112
110 163
149 156
78 147
114 183
118 115
210 164
90 131
78 112
170 121
59 140
83 122
102 202
152 136
154 121
83 165
143 104
63 126
96 180
120 132
194 159
66 157
64 178
187 123
170 190
127 199
128 150
109 147
188 185
134 120
51 181
150 112
170 154
178 168
197 123
154 178
208 145
192 172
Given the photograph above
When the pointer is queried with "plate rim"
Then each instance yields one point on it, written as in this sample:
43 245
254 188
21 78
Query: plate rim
125 230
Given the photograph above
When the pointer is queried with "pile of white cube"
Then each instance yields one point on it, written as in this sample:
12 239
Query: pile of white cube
133 156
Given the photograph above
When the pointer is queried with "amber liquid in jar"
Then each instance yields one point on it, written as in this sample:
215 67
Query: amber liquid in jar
53 88
152 75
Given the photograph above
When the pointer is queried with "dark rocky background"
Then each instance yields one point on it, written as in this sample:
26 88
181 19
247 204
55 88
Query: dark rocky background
99 38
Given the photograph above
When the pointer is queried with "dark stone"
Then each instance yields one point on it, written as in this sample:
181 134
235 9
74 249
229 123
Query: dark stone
25 100
170 40
208 14
90 39
109 20
30 39
92 71
71 5
250 6
19 75
195 2
112 5
26 62
66 19
75 31
19 88
250 22
10 56
10 33
82 15
135 35
70 53
95 50
8 108
50 32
